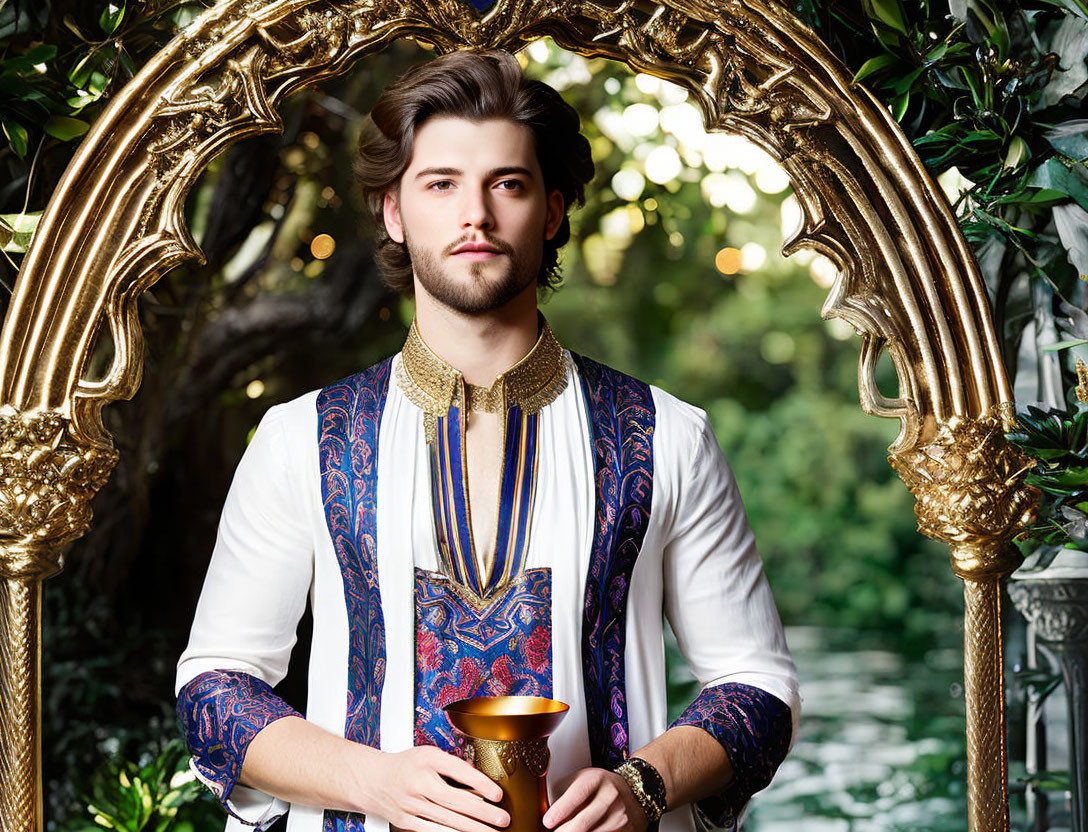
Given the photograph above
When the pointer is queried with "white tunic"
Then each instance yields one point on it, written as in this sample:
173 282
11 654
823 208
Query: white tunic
698 564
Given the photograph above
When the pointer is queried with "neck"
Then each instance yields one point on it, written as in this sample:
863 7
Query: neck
480 346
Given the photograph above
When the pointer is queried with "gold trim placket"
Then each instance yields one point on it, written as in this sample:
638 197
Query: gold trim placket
433 385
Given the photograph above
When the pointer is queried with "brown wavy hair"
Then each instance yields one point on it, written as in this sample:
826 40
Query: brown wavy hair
474 86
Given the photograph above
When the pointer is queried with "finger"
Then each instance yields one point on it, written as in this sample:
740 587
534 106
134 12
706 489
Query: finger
463 772
471 805
589 816
417 824
577 793
455 820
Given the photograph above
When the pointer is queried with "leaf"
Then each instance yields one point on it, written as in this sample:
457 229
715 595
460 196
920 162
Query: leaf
65 128
21 18
1056 176
906 82
17 136
41 53
81 72
876 64
886 12
29 60
1070 43
1017 153
1077 7
1071 222
1075 325
936 53
999 36
1064 345
1070 138
899 106
111 17
97 83
1064 478
16 231
1049 780
975 85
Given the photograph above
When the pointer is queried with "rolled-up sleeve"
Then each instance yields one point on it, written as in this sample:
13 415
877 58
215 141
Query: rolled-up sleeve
721 609
244 629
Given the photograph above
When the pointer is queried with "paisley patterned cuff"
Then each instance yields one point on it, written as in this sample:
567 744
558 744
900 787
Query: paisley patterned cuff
220 713
754 727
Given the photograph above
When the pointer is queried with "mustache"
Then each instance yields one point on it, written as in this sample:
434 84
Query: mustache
499 245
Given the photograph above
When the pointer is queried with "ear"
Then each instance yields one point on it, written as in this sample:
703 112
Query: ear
391 215
554 217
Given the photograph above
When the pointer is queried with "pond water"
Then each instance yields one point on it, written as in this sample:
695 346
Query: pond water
881 745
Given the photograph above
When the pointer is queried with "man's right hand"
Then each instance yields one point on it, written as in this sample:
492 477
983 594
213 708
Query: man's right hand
422 789
412 790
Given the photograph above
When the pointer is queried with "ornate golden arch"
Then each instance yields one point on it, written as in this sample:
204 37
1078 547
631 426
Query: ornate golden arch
115 224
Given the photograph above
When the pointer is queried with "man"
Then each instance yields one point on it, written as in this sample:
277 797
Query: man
484 513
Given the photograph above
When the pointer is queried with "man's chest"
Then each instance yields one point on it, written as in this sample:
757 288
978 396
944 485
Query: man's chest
484 458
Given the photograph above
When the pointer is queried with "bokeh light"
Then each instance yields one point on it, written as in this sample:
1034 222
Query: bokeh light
663 165
823 271
728 260
628 184
752 256
322 246
640 119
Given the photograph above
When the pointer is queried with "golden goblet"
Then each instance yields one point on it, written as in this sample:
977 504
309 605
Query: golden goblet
509 737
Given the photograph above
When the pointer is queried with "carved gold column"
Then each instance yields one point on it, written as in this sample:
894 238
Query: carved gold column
969 493
47 480
20 705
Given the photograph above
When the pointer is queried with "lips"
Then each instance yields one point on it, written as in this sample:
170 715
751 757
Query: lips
468 248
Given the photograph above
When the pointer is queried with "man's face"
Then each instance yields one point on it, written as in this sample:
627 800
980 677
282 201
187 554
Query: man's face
473 212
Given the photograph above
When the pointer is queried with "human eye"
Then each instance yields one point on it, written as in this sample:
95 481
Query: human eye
514 185
438 186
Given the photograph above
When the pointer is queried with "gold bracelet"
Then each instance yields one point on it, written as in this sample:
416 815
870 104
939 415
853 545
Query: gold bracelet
633 777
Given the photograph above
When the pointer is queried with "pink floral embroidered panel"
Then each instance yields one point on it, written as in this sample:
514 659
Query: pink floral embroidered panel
500 649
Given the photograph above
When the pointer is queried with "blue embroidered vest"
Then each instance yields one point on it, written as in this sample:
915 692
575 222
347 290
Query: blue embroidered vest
621 418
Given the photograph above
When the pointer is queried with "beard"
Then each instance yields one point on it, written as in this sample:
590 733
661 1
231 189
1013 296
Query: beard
480 293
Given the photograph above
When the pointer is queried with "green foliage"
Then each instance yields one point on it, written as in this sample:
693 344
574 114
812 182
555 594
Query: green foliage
1053 781
159 795
105 690
1039 683
992 96
1058 440
59 64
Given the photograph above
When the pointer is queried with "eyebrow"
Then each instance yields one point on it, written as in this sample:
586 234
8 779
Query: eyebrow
505 171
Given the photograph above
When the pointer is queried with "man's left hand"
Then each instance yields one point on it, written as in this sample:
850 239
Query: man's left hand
597 800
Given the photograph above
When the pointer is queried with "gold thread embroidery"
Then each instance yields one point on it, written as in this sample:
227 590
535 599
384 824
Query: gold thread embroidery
433 385
479 603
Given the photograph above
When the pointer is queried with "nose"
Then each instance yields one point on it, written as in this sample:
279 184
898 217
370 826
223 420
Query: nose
476 209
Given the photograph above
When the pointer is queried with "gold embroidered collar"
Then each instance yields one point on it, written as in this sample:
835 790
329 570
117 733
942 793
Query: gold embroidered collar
434 385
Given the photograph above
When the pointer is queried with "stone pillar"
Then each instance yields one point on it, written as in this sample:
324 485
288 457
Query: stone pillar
1055 601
